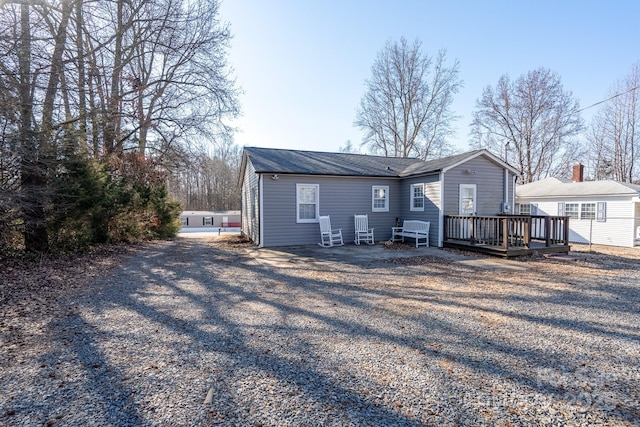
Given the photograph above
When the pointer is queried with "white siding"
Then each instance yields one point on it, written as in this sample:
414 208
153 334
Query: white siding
617 230
636 225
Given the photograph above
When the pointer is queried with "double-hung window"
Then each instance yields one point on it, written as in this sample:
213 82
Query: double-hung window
588 211
380 198
584 211
571 210
307 202
528 209
417 197
207 220
525 208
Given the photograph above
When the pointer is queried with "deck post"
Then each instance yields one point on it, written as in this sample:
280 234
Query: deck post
527 233
566 230
547 230
445 234
505 232
472 231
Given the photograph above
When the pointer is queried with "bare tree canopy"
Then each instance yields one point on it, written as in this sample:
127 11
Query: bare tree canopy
82 81
405 111
208 180
614 135
533 120
348 147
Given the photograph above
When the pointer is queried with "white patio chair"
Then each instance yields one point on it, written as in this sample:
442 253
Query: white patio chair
363 232
329 236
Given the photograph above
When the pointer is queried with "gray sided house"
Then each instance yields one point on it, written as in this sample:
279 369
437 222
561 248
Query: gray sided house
285 191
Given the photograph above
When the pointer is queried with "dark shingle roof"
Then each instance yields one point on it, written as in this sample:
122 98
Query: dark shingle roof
437 165
270 160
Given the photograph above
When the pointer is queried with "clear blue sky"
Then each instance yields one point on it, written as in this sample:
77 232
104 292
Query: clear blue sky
302 65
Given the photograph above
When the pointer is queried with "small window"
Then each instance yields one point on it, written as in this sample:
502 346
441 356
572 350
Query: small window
307 202
184 220
588 211
207 220
571 210
525 209
380 198
602 212
417 197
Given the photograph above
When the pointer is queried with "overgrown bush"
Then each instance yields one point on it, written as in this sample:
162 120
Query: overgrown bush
85 202
116 199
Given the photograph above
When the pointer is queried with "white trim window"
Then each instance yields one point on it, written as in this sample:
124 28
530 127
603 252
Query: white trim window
571 210
528 209
417 197
379 198
588 211
207 220
525 209
307 202
467 202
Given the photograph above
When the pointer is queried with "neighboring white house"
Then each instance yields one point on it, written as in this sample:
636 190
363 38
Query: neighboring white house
600 212
210 219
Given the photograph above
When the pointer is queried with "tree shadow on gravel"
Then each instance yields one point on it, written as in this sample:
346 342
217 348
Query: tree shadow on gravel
306 385
259 337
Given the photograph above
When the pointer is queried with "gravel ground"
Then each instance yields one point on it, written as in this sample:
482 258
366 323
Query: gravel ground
203 332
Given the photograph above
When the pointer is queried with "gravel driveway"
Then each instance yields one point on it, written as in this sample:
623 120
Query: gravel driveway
209 332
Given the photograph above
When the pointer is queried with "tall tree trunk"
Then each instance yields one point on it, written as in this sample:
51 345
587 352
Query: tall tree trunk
82 96
32 175
114 107
60 38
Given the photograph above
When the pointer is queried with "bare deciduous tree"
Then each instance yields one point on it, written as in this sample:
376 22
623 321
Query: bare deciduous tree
348 147
614 137
178 84
208 180
81 79
405 111
532 120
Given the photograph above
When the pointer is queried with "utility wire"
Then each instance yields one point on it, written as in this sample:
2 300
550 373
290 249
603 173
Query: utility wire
609 99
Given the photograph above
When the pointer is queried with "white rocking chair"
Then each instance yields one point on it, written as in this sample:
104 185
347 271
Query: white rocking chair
363 232
329 237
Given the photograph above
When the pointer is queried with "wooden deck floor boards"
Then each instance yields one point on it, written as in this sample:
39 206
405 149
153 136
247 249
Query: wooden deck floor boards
511 251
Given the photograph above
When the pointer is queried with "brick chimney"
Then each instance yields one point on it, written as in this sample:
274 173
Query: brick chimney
578 173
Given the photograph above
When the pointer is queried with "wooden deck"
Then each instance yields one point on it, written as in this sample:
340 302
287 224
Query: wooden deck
507 235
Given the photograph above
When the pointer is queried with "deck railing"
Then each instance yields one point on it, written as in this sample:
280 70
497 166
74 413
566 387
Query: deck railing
507 231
